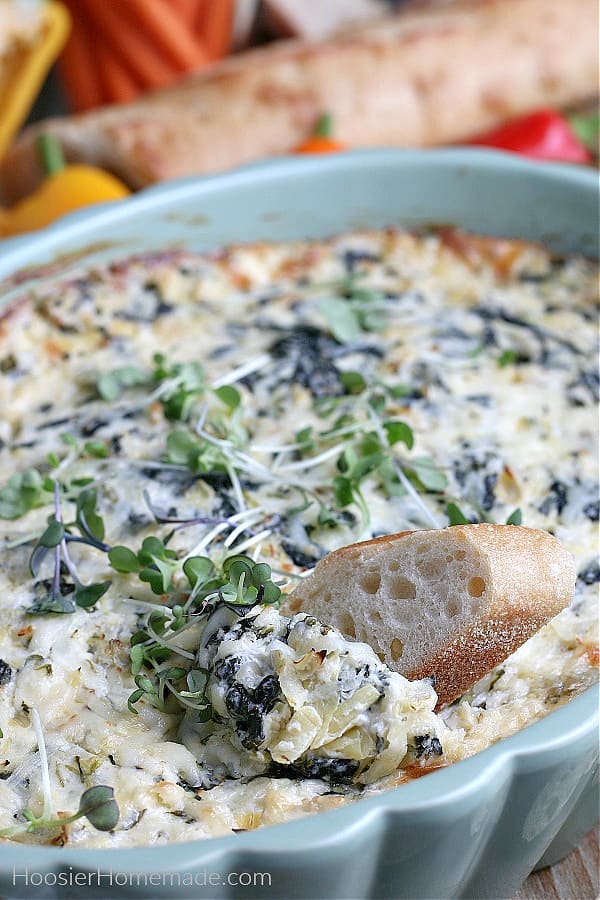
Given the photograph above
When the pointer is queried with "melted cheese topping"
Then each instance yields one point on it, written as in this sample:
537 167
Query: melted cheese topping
485 349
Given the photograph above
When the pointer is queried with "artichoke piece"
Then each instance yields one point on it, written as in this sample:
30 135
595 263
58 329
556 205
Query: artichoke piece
297 736
353 744
392 755
292 688
349 709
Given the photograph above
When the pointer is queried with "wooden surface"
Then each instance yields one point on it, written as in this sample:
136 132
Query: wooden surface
576 877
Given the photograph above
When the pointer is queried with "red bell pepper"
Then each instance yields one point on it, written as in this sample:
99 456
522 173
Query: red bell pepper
544 135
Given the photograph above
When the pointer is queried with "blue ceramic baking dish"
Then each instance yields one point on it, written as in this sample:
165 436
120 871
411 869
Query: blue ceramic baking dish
475 829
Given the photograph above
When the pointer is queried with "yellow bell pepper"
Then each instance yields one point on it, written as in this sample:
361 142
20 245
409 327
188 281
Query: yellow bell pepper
67 187
24 71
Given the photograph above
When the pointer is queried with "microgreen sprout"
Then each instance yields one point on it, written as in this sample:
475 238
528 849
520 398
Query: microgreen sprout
111 385
455 515
154 562
352 308
160 667
515 518
62 597
97 804
23 491
507 358
177 385
372 453
182 385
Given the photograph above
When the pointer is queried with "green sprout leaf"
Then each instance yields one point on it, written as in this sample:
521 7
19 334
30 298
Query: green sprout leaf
159 581
455 515
236 558
198 569
50 538
96 449
341 319
271 593
22 492
153 549
353 382
87 595
159 564
144 684
51 604
133 698
399 432
137 654
342 491
304 438
515 518
261 573
428 473
53 534
229 396
197 681
110 385
184 384
70 440
507 358
240 569
99 807
88 519
398 391
183 449
124 560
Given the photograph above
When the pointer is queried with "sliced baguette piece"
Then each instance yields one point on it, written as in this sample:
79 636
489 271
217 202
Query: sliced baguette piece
451 603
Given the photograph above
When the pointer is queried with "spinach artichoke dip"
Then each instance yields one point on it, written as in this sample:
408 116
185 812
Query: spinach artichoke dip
182 436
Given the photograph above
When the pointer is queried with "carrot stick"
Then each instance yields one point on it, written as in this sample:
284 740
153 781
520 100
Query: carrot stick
217 27
76 66
167 32
119 85
200 14
186 9
128 43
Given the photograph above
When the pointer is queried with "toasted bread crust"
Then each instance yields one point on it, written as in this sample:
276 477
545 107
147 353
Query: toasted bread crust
474 652
425 76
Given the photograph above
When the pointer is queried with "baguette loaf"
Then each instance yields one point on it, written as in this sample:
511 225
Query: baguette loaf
451 603
430 74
